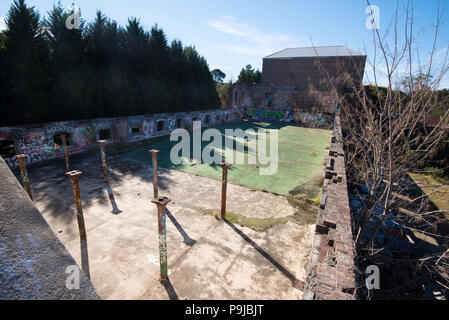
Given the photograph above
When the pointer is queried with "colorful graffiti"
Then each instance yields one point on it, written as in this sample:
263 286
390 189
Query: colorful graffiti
38 142
295 116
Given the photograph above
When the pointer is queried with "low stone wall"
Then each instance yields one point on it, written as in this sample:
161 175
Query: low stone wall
291 116
38 141
33 262
331 271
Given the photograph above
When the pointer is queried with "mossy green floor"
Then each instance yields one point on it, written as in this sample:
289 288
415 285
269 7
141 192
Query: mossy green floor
302 152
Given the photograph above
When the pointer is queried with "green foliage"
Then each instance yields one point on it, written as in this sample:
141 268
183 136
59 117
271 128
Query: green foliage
442 103
223 93
218 75
51 73
249 75
436 173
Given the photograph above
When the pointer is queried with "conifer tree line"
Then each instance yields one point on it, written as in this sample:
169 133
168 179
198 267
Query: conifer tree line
52 73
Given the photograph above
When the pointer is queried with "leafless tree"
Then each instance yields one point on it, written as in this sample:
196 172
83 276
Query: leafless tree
386 133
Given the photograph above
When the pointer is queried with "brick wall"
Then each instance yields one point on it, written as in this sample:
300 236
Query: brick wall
331 271
282 96
311 70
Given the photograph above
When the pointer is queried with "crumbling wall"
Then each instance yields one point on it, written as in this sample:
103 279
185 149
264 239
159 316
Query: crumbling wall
331 271
282 96
33 262
38 141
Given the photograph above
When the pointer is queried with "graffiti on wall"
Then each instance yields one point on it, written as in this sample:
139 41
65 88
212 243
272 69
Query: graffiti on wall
148 127
59 127
38 142
120 130
295 116
102 124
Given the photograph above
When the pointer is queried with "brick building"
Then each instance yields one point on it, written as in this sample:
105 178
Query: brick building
302 78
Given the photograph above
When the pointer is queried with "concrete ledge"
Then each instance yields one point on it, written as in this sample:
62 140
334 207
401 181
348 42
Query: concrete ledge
331 271
33 261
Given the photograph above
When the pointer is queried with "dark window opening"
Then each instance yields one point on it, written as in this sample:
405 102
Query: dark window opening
58 140
7 148
135 130
160 125
179 123
104 134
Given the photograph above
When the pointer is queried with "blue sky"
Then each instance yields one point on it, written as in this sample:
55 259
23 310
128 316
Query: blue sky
231 34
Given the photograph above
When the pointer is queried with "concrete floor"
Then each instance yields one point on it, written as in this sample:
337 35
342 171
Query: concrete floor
208 258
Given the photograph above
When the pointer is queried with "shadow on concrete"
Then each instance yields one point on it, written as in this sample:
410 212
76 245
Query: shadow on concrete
115 209
170 290
53 190
295 282
187 240
84 256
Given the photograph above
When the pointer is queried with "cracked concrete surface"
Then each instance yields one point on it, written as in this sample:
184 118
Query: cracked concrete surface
208 258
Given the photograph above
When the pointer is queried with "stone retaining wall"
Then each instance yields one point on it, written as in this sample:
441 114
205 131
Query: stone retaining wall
39 144
33 262
331 270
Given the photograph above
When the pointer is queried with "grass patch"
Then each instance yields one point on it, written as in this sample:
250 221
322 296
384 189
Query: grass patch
436 188
303 217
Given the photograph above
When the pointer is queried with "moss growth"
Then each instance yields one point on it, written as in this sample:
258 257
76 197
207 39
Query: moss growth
263 224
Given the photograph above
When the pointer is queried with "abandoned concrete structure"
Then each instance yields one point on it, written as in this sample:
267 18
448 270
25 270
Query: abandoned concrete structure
291 91
330 272
302 78
43 141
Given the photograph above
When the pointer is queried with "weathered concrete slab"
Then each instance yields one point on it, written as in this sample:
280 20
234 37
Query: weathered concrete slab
208 258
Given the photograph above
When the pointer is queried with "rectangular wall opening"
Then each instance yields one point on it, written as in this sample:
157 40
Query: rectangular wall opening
160 125
104 134
57 139
179 123
135 130
7 148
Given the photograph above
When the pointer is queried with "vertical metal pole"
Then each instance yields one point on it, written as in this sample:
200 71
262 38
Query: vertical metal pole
161 204
23 170
224 182
103 159
154 153
64 145
77 198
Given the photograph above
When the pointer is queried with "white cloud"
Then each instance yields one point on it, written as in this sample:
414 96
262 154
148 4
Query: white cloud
256 41
2 24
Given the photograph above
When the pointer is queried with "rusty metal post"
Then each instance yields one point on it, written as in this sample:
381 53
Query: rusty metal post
103 159
77 198
161 204
23 170
154 153
224 182
64 145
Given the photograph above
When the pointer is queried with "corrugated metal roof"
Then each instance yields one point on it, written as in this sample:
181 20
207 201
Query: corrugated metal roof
330 51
